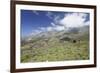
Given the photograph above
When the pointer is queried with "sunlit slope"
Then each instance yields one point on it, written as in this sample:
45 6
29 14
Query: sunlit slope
56 46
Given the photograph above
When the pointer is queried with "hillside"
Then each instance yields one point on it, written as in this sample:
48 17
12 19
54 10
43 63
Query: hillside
62 45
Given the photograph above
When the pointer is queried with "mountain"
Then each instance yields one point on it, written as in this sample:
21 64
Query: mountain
71 33
53 42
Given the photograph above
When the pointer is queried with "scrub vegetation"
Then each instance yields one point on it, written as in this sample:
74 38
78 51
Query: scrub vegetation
56 46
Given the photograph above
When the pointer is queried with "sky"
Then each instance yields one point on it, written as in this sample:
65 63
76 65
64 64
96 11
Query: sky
34 22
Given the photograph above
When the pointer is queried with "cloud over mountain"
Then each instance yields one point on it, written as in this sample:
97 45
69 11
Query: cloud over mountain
70 20
74 20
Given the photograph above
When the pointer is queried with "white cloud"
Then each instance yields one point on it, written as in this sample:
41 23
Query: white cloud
49 28
83 15
49 14
70 20
53 24
74 20
59 28
87 23
34 32
55 27
56 18
42 29
36 12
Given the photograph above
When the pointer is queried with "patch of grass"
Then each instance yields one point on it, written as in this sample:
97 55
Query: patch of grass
54 50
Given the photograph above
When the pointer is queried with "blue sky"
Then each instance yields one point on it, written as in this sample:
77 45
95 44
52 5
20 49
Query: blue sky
33 22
